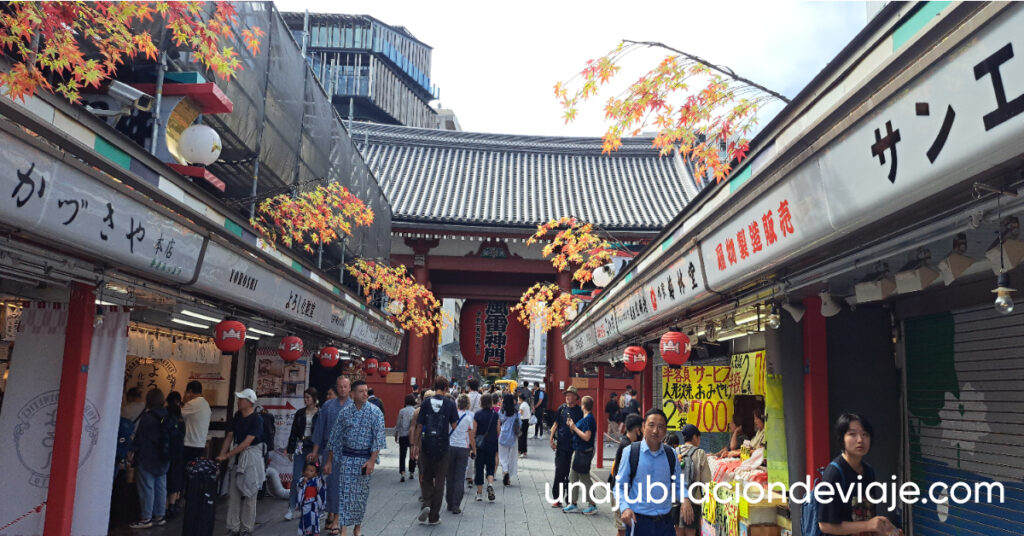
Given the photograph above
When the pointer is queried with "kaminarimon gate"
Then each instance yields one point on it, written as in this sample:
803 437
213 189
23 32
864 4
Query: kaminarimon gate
464 204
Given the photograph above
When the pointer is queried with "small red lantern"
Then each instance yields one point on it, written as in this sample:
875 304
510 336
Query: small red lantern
329 357
383 369
675 348
635 358
229 336
290 348
370 366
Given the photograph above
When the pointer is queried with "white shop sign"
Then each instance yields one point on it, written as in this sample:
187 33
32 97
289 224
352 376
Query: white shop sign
965 115
228 275
45 196
605 328
789 217
581 343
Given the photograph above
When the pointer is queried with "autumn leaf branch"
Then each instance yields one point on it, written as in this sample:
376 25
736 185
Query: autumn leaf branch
709 127
46 41
419 313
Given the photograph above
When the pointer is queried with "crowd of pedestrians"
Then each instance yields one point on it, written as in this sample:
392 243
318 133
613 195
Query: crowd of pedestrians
157 436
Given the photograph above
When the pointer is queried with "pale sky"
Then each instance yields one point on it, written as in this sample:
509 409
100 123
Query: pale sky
496 62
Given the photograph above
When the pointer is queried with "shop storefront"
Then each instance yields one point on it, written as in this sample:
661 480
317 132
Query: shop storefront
113 276
859 265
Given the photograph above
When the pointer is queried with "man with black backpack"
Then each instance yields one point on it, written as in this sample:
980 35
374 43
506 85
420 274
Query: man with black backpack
437 419
651 463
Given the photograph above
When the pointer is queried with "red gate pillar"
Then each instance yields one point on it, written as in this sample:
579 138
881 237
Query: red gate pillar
648 387
602 415
816 421
60 498
558 365
419 349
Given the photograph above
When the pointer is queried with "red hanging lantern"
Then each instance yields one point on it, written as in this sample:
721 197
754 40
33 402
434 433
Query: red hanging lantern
290 348
675 348
329 357
370 366
491 335
383 369
635 358
229 335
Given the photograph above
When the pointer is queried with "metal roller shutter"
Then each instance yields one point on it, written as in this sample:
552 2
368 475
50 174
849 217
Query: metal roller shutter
965 406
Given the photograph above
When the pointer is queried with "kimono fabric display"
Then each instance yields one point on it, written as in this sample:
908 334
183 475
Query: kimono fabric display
356 433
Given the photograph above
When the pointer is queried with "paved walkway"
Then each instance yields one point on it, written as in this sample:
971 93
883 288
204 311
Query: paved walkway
519 510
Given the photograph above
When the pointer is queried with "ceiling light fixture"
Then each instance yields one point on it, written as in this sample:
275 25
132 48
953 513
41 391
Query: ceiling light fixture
200 316
261 332
184 322
829 307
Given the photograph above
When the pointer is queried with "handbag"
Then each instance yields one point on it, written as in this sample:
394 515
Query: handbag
482 438
533 420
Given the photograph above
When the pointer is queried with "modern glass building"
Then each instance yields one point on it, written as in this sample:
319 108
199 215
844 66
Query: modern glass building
375 72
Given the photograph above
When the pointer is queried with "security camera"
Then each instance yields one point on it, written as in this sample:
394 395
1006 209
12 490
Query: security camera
129 96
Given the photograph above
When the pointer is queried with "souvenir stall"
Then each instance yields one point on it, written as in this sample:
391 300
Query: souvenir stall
713 394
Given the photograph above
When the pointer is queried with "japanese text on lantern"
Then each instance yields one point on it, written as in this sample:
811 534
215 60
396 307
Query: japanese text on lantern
496 322
757 236
748 375
697 395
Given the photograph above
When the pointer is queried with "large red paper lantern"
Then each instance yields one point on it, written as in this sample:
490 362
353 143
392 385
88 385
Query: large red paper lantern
329 357
290 348
229 336
675 348
383 369
370 366
490 334
635 358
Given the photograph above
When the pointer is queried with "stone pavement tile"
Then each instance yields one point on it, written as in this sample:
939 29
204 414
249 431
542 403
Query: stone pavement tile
520 510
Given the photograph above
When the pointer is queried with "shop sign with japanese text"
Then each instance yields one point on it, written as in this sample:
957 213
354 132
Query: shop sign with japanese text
748 375
961 117
583 342
605 328
49 198
697 395
672 289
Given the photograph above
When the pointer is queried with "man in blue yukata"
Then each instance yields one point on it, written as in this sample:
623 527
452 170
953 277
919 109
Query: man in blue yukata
357 438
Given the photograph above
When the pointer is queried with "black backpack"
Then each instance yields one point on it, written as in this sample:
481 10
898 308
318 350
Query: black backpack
171 431
269 430
434 438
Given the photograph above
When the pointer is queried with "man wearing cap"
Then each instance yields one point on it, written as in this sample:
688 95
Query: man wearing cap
561 442
246 472
321 436
694 462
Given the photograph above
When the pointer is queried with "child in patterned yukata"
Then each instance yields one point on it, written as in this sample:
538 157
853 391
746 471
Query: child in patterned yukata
312 498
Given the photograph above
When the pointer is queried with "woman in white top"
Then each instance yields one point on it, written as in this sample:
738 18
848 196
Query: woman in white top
524 415
461 443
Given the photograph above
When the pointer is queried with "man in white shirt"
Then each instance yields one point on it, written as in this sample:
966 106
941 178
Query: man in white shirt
524 416
196 413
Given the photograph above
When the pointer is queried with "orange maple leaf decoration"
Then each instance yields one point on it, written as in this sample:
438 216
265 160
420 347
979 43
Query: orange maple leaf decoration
421 312
574 248
312 217
45 41
709 128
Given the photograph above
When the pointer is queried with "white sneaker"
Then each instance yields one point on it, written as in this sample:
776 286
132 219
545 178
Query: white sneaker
288 516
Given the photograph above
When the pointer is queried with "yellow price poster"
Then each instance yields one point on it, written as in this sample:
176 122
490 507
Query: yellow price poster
747 376
698 396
